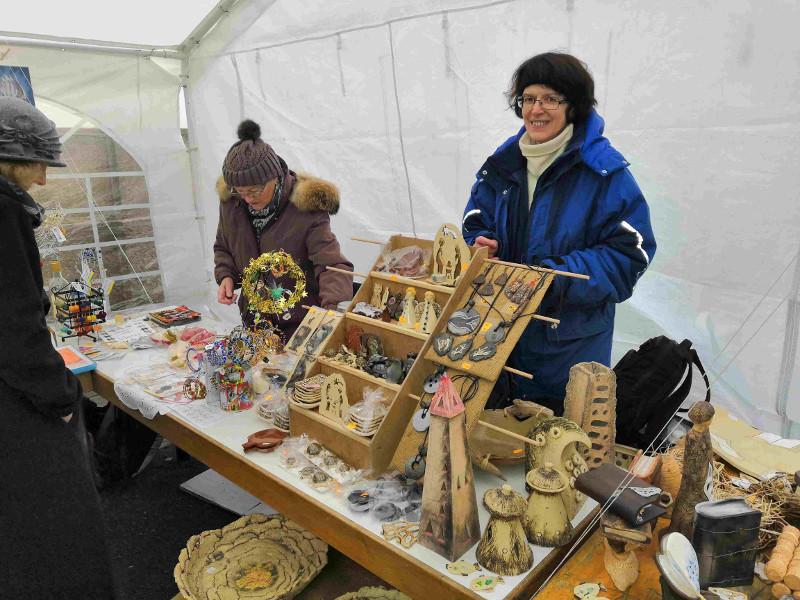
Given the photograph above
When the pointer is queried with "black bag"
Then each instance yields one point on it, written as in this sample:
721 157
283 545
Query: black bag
652 383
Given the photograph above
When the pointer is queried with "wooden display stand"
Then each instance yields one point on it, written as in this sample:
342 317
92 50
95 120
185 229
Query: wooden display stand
395 442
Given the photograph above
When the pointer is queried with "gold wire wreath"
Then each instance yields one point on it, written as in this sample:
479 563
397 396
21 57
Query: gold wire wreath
263 299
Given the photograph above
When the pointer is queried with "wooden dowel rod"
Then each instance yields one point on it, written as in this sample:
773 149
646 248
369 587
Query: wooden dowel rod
414 397
540 269
366 241
517 372
346 272
511 434
548 319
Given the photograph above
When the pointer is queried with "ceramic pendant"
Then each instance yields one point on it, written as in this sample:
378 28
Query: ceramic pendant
488 350
459 350
487 289
502 279
514 287
464 321
485 583
481 278
432 383
462 567
497 333
421 420
442 343
387 512
415 467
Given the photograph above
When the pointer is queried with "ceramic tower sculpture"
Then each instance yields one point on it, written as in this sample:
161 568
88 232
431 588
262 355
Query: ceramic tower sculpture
449 522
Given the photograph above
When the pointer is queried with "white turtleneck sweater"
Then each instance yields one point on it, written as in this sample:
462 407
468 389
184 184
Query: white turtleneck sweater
541 156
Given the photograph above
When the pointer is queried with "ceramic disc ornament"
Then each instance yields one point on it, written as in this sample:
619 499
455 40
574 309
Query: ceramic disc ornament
497 333
432 383
464 321
421 420
414 467
485 352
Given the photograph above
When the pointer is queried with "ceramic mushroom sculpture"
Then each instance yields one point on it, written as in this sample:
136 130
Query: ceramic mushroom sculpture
503 548
546 520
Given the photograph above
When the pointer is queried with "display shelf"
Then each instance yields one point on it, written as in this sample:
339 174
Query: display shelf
387 326
337 366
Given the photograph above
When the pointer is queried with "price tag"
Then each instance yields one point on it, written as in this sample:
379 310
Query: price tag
466 366
331 313
486 327
392 277
351 425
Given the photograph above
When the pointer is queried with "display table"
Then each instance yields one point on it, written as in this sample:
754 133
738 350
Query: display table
418 572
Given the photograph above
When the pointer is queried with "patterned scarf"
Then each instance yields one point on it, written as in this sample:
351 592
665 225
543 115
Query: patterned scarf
262 218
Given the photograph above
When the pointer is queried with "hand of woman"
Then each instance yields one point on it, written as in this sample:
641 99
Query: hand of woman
225 293
488 243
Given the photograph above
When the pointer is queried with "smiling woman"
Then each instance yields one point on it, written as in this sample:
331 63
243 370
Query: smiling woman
557 194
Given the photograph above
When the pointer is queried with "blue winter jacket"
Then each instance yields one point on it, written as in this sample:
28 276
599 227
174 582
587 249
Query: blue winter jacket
588 216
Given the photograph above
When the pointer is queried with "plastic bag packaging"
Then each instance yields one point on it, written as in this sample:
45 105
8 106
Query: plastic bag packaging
366 416
411 261
266 408
387 499
316 465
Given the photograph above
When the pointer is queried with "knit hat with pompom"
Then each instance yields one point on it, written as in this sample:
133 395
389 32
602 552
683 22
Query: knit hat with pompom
250 161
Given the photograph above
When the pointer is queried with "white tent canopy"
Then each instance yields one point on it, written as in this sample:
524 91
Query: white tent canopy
400 102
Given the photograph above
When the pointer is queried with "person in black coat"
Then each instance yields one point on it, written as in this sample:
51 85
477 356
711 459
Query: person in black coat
52 538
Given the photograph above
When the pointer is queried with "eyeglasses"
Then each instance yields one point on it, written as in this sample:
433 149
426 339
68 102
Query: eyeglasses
253 192
547 102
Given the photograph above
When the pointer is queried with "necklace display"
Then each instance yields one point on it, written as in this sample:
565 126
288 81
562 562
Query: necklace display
415 466
463 321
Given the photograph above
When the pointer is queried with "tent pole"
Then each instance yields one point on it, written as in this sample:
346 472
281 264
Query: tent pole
790 338
212 18
198 215
11 38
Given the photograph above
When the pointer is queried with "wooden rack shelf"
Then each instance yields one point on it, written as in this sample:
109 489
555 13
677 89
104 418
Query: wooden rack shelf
417 283
336 365
387 326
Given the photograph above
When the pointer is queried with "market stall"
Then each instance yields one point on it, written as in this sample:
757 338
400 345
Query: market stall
368 429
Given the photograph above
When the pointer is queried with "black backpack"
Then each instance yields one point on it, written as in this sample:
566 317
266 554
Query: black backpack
652 383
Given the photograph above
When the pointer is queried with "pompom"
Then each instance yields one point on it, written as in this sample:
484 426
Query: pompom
248 130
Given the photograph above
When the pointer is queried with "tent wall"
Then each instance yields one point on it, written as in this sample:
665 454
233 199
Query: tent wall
399 103
135 101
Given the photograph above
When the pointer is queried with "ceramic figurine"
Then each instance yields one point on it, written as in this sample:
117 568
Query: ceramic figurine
408 318
503 549
451 255
591 402
428 317
621 563
377 293
334 404
546 520
449 521
697 456
561 442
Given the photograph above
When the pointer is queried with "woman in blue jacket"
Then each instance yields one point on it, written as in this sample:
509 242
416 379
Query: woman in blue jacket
557 194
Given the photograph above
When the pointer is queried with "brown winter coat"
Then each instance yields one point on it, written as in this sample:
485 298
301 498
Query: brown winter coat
302 229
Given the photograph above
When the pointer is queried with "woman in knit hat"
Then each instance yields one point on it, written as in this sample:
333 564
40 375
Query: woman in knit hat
52 535
264 207
557 194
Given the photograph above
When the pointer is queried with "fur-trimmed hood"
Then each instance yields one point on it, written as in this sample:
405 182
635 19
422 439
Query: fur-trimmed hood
309 194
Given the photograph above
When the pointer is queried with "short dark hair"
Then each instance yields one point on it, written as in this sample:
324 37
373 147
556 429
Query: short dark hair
564 73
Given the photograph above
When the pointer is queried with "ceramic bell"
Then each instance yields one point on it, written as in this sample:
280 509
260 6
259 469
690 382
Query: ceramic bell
503 548
546 521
